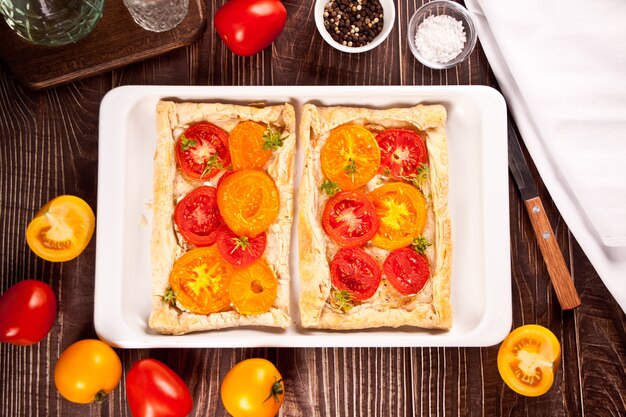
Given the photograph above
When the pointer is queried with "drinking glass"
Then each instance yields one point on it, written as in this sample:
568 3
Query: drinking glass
157 15
52 22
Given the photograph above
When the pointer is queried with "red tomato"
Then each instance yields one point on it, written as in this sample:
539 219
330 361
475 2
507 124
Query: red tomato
240 250
402 151
406 270
202 151
249 26
197 216
356 272
154 390
28 311
350 219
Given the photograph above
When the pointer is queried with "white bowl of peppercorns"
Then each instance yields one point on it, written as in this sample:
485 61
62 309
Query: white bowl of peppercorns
354 25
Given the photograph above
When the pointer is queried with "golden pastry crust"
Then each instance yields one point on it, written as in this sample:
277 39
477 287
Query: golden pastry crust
431 307
169 186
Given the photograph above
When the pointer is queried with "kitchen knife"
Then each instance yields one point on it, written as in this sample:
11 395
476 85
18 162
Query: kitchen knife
557 269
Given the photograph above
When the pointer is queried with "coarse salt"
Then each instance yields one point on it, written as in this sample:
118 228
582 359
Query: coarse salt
440 39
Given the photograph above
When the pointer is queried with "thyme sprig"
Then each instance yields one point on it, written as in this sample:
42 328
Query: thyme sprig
273 140
330 187
212 162
342 300
420 244
186 143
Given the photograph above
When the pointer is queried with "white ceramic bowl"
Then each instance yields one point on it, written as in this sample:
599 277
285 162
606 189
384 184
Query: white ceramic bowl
389 16
437 8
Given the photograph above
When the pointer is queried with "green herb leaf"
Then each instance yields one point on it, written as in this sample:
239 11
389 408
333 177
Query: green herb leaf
329 187
272 140
169 296
420 244
213 162
386 172
350 168
418 178
240 242
186 143
342 300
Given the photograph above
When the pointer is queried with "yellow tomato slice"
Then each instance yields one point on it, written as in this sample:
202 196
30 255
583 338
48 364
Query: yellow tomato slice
402 211
62 229
528 360
248 202
350 157
246 146
199 280
253 288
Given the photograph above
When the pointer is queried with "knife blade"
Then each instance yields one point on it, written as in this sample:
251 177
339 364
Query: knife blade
555 263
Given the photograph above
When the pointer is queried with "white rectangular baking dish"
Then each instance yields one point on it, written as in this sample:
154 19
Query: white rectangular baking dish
481 279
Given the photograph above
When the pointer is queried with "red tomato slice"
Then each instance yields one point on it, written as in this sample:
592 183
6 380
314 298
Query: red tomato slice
350 219
198 217
240 250
201 151
402 151
406 270
356 272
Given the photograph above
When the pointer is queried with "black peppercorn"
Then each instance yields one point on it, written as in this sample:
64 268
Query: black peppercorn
356 22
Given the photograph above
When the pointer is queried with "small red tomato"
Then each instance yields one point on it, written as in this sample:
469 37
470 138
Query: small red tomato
197 216
249 26
406 270
28 311
240 250
154 390
350 219
356 272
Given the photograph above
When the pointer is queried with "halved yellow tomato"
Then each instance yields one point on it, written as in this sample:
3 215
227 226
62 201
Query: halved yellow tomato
199 280
350 157
248 202
62 229
402 212
246 146
252 288
528 360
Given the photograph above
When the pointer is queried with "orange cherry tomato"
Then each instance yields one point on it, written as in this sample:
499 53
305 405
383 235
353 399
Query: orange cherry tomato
248 201
350 157
246 146
199 280
87 371
253 388
402 211
252 288
62 229
528 360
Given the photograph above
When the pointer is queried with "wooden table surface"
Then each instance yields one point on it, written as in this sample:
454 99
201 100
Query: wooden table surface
49 146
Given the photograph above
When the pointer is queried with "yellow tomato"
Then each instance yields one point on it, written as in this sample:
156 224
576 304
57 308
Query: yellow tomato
253 388
528 360
402 211
350 157
62 229
87 371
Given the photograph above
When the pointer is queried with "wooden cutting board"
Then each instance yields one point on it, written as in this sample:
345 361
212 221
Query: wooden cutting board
116 41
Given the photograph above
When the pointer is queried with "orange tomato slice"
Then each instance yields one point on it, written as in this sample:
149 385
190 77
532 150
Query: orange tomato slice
248 202
350 157
402 212
62 229
200 280
528 360
253 288
246 146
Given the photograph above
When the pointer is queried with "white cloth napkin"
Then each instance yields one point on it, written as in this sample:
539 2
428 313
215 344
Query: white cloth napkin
562 68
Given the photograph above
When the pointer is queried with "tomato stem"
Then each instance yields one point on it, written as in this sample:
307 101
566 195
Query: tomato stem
277 388
101 396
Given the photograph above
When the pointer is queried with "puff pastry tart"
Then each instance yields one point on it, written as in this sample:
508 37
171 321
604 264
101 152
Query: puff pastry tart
223 210
374 229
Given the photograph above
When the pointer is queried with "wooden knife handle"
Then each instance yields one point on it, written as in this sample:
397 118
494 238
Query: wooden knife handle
559 274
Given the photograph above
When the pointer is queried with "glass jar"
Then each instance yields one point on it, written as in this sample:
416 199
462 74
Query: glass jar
52 22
